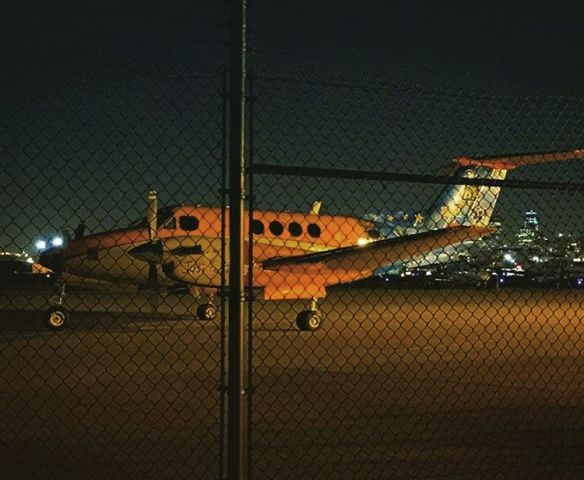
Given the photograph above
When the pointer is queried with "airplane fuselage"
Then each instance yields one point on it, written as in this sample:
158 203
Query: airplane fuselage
108 256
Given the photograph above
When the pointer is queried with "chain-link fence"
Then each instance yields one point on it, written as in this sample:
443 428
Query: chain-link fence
427 356
416 300
111 365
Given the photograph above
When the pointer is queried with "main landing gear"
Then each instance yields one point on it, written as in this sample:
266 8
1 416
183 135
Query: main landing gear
208 311
311 319
56 316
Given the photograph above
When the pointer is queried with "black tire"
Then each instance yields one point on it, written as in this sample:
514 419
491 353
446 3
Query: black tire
206 311
309 320
56 317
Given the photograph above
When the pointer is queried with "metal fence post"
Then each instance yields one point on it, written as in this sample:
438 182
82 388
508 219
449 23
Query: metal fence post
235 424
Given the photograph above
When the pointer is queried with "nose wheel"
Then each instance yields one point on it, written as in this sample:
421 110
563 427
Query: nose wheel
311 319
56 317
206 311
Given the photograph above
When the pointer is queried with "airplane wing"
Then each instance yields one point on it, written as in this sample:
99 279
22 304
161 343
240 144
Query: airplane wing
305 276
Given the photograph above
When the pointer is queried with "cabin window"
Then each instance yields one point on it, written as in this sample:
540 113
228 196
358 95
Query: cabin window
295 229
188 223
257 227
313 230
276 228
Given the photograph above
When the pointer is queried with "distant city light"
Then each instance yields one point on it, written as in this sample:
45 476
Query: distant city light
40 244
57 242
509 258
29 260
580 281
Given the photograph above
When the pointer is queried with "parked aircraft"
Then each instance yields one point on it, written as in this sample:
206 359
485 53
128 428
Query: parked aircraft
293 255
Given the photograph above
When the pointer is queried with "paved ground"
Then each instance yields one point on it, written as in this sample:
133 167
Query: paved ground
397 384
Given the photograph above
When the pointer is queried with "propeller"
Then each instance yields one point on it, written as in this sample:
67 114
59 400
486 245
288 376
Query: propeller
156 251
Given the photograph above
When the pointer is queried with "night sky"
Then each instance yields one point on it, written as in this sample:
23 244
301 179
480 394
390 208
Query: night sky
102 103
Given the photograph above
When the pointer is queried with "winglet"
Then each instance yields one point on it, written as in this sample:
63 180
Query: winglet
509 162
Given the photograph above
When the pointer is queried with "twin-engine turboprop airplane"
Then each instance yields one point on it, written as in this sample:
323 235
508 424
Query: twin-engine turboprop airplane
294 255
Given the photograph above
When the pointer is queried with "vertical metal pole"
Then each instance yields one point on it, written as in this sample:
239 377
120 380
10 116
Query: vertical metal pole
222 328
250 259
235 376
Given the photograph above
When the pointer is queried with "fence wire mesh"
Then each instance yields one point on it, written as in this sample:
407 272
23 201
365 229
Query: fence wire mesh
430 356
417 299
126 380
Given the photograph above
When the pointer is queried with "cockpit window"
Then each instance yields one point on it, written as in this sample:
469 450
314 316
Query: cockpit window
188 223
169 223
164 219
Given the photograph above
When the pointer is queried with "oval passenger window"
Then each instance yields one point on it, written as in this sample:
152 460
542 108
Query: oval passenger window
295 229
257 227
276 228
313 230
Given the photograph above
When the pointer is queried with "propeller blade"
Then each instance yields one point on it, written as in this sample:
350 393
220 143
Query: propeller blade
148 252
182 251
152 214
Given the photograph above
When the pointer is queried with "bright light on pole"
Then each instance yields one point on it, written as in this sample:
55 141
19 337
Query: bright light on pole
57 242
40 244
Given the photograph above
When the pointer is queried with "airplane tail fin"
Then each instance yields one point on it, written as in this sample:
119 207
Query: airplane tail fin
473 205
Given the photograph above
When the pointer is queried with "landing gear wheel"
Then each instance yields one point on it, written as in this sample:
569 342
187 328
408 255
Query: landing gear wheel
56 317
309 320
207 311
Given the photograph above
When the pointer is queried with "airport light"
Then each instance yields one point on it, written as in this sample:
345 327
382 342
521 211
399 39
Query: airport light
40 244
57 242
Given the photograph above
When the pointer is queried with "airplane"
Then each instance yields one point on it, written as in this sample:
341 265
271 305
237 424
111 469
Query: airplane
295 255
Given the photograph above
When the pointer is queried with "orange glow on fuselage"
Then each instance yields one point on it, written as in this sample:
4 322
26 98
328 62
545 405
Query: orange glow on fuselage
284 234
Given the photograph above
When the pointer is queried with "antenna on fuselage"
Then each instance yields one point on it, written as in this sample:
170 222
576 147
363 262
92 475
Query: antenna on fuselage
315 209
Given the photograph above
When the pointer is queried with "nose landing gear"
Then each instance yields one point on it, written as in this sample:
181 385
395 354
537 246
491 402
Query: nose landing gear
311 319
56 316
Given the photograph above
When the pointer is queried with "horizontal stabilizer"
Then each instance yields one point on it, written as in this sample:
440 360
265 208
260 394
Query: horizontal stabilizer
509 162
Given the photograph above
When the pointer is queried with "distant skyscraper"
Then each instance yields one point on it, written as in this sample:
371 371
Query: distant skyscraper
531 221
528 235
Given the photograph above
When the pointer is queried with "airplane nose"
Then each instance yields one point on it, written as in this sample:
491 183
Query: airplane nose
52 259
